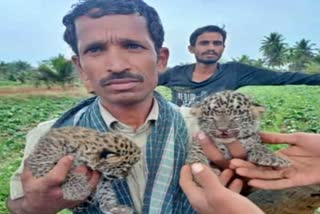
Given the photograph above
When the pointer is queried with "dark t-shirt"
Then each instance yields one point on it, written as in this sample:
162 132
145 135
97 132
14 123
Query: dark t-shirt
228 76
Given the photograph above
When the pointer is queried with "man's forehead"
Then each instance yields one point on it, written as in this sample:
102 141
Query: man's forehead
133 20
111 28
109 23
210 36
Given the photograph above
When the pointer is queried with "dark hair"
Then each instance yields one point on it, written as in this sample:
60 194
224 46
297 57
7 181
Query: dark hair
209 28
111 7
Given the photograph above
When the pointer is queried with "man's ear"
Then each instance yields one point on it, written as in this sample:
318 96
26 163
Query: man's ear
83 76
191 49
77 65
163 57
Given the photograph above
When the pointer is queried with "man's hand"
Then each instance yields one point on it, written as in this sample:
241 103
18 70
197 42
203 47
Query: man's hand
44 195
214 155
304 154
209 194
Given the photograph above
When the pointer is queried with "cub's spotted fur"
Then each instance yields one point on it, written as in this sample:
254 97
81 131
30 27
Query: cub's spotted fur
111 154
228 116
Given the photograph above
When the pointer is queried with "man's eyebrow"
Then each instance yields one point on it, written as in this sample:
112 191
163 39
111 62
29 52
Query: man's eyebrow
128 41
95 44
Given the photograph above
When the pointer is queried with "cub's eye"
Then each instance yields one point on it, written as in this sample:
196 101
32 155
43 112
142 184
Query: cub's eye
105 153
236 119
211 118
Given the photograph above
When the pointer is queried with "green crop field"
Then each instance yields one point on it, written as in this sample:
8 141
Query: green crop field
289 109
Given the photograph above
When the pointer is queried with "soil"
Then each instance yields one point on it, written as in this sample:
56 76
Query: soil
70 90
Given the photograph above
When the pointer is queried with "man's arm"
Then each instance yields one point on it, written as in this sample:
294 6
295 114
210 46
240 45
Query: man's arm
249 75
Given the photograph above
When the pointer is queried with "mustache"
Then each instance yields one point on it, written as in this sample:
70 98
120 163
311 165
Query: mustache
210 52
123 75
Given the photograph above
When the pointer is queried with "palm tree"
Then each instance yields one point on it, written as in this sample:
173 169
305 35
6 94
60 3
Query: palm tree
300 55
314 66
316 57
56 70
274 50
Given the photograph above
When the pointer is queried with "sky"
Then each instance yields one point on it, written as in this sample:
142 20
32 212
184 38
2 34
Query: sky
31 30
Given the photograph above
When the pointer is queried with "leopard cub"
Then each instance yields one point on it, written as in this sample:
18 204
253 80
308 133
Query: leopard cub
228 116
111 154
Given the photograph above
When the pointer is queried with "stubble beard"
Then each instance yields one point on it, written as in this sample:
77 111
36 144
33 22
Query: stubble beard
207 61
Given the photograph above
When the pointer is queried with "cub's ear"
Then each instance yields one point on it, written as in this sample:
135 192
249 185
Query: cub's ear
196 111
257 110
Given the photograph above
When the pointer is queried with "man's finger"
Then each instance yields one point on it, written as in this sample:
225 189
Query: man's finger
275 138
94 179
236 150
58 174
205 177
270 184
225 176
81 170
260 173
211 151
186 182
236 185
236 163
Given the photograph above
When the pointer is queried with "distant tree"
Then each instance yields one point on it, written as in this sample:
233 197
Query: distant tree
274 50
3 70
15 71
56 70
313 68
316 57
245 59
300 55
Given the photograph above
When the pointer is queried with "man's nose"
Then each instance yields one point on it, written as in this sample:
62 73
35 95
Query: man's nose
211 46
117 61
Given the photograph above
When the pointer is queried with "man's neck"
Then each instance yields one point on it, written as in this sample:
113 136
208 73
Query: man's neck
202 71
133 115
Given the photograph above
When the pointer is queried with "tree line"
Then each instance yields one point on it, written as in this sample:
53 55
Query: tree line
277 55
56 70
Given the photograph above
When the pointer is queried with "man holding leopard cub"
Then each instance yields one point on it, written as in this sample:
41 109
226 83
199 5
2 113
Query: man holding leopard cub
118 52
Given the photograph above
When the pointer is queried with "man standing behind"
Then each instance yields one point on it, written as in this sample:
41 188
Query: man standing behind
207 76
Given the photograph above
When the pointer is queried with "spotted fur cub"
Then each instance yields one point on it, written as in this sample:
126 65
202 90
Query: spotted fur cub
111 154
228 116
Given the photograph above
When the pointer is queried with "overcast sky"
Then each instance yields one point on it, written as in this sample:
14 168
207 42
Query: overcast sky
31 30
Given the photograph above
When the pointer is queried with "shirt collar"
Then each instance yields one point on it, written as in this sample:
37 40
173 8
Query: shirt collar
110 120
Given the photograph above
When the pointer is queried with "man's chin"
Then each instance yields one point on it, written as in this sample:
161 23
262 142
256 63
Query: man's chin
128 98
207 61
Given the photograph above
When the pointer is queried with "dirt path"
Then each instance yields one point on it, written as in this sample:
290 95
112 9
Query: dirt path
76 91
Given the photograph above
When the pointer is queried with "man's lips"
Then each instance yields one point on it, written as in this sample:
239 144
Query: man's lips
121 81
210 54
122 84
